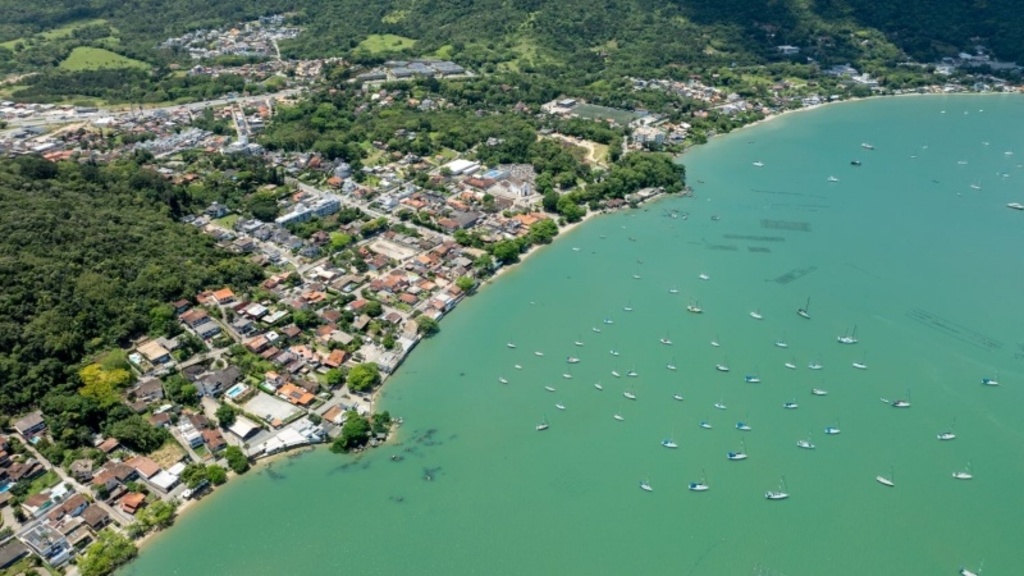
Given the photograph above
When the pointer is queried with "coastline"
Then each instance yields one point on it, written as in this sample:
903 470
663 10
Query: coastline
185 506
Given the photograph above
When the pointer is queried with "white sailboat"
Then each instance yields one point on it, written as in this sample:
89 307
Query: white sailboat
503 380
704 276
645 485
833 430
716 342
860 365
964 474
720 405
968 572
743 426
741 455
673 290
518 366
781 494
632 372
595 329
791 405
756 314
819 392
723 366
666 341
538 353
752 379
628 307
902 403
549 388
848 338
543 425
510 345
805 311
629 395
694 308
781 344
886 480
579 341
991 381
949 434
702 485
705 424
758 164
618 417
815 365
613 352
805 444
560 406
671 365
670 442
598 386
677 397
833 179
790 365
572 360
616 374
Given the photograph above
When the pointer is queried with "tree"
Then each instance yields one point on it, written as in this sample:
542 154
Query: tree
427 326
158 514
466 284
380 422
373 309
505 251
355 433
237 460
217 475
103 385
137 434
335 377
364 377
226 415
180 390
543 231
103 556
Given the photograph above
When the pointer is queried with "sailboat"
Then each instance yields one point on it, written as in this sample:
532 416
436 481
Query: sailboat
902 403
518 366
752 379
833 179
543 425
613 352
848 338
741 455
860 364
720 405
608 321
645 485
805 444
756 314
595 329
758 163
723 367
833 430
705 424
560 406
598 386
702 485
781 344
579 341
616 374
704 276
791 405
991 381
949 434
666 341
964 474
780 494
815 365
791 365
716 342
549 388
886 481
694 308
572 360
968 572
743 426
819 392
618 417
629 306
503 380
629 394
673 290
538 353
678 397
632 372
567 374
805 311
669 442
510 344
671 365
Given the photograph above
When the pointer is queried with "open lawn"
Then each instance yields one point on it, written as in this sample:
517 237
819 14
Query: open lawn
168 454
47 480
384 43
228 221
595 112
89 58
57 33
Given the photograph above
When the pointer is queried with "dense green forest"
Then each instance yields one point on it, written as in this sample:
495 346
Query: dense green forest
86 253
580 43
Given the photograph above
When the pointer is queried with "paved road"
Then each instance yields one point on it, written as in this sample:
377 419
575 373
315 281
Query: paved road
122 518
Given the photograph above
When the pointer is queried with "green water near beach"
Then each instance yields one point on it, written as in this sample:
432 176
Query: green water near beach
904 249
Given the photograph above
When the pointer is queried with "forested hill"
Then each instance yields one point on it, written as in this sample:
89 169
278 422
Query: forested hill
555 36
86 252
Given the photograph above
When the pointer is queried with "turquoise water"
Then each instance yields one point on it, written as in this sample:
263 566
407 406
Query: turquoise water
901 248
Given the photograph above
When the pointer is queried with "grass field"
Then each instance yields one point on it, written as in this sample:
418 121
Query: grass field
595 112
57 33
384 43
89 58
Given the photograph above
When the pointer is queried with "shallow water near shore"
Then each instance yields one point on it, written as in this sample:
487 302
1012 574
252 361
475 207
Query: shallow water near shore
900 248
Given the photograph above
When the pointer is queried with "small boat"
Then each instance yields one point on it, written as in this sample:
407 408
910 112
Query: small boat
719 405
595 330
510 345
860 366
549 388
780 494
975 186
518 366
629 395
567 375
705 425
694 308
886 481
805 311
991 381
968 572
752 379
616 374
538 353
632 373
848 338
833 179
671 366
613 352
815 366
666 341
791 405
669 443
1015 206
756 314
636 276
758 163
704 276
949 434
646 486
578 342
618 417
608 321
572 360
781 344
628 307
867 146
673 290
902 403
575 249
833 430
503 380
743 426
805 444
741 455
964 474
560 406
598 386
854 162
702 485
678 397
543 425
790 365
723 366
819 392
715 342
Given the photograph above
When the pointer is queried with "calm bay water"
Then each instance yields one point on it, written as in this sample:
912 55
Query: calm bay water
902 248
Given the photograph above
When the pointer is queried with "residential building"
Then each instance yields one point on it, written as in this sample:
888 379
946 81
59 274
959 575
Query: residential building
30 424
